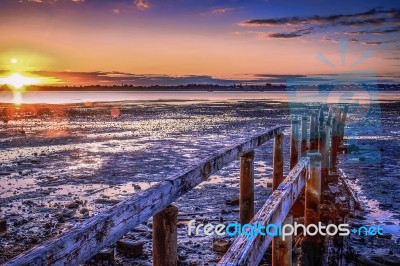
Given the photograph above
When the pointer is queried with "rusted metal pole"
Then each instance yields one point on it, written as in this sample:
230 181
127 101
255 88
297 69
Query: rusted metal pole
303 150
165 236
313 190
294 144
281 250
313 133
246 198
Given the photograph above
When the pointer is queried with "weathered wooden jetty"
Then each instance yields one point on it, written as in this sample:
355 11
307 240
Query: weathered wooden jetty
313 155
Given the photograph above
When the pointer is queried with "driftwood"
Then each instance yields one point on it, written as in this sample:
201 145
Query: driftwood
86 239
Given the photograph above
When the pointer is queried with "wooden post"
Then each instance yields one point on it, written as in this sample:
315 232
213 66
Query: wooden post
303 150
313 133
328 144
281 250
335 140
322 148
246 198
298 206
311 244
294 144
313 190
343 121
165 236
277 177
339 121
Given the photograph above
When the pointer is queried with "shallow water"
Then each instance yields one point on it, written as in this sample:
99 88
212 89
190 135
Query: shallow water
64 97
97 156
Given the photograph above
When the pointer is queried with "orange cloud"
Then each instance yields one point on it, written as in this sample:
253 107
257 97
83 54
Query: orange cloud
142 4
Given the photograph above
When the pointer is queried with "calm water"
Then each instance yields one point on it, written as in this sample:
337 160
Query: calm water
304 96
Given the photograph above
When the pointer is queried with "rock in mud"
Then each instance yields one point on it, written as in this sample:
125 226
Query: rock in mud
130 248
232 202
72 205
387 259
364 260
3 225
221 245
385 236
106 255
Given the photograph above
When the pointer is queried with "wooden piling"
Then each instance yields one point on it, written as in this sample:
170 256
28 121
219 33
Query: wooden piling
294 144
303 150
298 206
277 177
311 244
322 148
313 133
165 236
335 142
246 198
343 118
281 250
313 191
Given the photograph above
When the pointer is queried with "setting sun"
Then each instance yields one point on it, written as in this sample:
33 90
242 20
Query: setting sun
17 81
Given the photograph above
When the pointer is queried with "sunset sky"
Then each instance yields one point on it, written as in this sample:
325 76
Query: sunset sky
147 42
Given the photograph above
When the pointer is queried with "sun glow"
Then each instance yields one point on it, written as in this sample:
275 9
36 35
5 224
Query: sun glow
17 81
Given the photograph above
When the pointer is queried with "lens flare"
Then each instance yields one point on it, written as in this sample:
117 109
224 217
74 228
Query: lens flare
17 81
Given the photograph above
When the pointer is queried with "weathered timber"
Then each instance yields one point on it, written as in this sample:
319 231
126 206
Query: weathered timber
313 191
328 145
86 239
294 143
274 211
276 181
246 198
322 147
313 133
335 143
282 249
298 206
277 174
342 123
303 149
310 247
165 237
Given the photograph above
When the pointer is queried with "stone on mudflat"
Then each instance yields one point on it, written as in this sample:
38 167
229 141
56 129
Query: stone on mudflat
221 245
106 255
385 236
3 225
232 202
131 248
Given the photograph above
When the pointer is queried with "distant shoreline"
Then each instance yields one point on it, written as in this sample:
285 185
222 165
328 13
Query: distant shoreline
216 88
